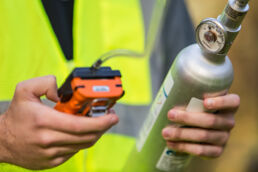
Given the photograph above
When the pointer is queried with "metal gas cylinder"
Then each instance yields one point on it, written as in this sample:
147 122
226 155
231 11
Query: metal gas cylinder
200 70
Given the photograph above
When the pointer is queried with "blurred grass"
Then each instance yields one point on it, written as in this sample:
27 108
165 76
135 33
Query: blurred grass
244 56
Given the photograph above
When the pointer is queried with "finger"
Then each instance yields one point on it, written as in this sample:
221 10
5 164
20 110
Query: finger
61 151
52 119
51 138
208 151
37 87
111 111
54 152
229 101
201 119
59 160
195 135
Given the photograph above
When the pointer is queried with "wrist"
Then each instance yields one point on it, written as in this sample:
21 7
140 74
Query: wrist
3 149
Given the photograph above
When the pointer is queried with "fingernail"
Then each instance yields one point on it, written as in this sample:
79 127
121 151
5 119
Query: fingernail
165 132
209 102
172 114
114 120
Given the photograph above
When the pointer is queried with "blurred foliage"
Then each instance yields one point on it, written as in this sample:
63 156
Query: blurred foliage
242 148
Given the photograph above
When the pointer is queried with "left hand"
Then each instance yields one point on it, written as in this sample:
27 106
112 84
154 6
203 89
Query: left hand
206 134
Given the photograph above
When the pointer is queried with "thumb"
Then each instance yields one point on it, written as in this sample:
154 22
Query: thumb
37 87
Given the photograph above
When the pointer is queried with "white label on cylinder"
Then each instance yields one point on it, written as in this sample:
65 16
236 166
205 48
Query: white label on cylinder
158 103
155 111
169 82
169 159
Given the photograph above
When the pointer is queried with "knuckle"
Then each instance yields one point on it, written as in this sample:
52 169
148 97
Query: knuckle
177 133
199 151
220 101
212 121
231 124
236 100
20 87
182 117
76 127
51 79
57 161
225 138
181 147
217 152
50 153
92 138
204 136
101 125
45 140
39 121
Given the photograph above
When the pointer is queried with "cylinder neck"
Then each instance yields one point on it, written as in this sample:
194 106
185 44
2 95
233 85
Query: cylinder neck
215 58
234 13
228 23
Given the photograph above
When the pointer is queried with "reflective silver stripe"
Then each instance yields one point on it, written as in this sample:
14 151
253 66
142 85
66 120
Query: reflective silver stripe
4 105
130 119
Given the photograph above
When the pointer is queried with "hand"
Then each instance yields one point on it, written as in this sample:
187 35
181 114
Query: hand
35 136
207 133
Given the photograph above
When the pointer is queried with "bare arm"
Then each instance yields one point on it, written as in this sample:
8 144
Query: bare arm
32 132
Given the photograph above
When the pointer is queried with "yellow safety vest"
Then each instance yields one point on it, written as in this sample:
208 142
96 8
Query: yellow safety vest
29 48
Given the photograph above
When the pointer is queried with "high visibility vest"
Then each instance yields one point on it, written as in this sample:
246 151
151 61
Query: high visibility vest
29 48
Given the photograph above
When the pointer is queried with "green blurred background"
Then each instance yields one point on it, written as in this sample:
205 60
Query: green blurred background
242 148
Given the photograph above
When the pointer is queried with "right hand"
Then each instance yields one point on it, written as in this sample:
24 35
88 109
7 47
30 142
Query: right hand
35 136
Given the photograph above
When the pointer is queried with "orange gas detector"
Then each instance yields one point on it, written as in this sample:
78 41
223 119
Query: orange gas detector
90 92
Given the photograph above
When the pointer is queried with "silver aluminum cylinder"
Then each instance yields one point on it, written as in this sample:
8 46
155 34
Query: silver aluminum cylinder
192 75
